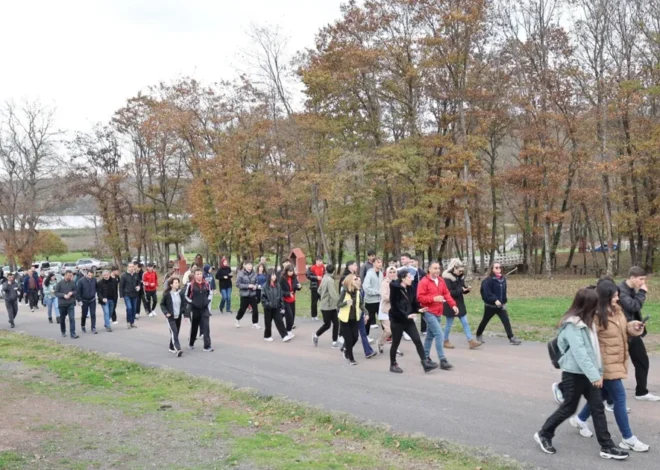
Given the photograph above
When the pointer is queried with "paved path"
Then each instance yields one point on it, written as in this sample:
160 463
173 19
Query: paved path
496 397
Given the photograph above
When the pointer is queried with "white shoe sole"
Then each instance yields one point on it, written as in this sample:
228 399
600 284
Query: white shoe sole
538 441
625 446
613 457
643 398
268 339
584 432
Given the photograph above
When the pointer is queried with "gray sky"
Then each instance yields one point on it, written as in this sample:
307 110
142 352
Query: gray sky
86 57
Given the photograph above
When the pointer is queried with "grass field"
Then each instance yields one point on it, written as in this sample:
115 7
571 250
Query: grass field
69 408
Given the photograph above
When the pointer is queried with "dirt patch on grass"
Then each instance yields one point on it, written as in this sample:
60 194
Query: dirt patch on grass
56 432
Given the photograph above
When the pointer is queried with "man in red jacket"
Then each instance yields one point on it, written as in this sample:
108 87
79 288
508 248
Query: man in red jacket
150 282
432 293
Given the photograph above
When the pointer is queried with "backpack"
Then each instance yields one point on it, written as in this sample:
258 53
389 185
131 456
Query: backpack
554 352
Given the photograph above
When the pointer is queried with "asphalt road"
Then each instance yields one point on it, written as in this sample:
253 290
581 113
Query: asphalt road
496 397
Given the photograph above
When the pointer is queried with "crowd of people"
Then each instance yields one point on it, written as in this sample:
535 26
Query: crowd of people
597 336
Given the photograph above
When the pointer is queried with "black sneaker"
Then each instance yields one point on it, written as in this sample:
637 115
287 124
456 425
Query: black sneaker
373 354
84 330
208 349
75 336
63 335
431 363
428 367
445 365
94 331
12 324
514 341
353 362
396 369
50 320
546 444
179 354
613 453
108 329
57 320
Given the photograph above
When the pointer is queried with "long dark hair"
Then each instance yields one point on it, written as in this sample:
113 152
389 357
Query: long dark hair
606 290
48 278
584 306
170 281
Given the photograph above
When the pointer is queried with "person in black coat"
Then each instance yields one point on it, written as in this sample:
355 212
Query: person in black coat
173 305
493 293
271 298
403 312
454 277
224 275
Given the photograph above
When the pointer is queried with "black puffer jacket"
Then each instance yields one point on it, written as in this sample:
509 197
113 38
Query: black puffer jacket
403 302
271 296
455 284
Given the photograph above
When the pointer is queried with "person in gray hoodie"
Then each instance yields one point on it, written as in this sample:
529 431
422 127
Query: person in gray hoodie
329 299
582 375
65 291
247 285
10 289
371 287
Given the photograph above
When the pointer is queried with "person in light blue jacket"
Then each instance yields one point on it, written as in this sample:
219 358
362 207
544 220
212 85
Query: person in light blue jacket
582 375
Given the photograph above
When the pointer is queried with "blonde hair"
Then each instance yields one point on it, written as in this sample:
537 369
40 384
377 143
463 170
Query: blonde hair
348 282
454 263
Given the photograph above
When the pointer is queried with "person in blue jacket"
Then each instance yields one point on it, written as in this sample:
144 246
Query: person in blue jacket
493 293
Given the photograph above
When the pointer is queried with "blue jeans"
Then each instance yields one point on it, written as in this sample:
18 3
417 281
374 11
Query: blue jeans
433 331
464 322
51 303
616 391
69 310
107 312
226 299
130 302
363 335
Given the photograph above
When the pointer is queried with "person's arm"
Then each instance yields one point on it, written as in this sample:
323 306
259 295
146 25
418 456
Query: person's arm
58 291
79 291
446 294
164 305
489 297
425 296
455 288
242 282
310 275
371 284
632 303
341 302
579 351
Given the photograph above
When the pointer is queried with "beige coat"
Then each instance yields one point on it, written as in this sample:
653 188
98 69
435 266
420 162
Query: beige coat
614 345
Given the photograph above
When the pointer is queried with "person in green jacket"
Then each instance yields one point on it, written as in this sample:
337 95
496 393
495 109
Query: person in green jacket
329 299
582 375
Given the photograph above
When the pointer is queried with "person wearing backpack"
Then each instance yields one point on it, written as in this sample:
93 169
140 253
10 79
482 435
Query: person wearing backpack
493 293
582 375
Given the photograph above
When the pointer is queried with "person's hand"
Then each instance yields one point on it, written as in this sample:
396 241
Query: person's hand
250 286
423 310
105 301
638 325
137 288
438 298
349 302
412 316
168 315
224 277
644 288
366 319
456 310
598 383
186 319
498 303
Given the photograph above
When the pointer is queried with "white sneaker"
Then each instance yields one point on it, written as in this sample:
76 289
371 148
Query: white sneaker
634 444
288 337
559 397
610 408
340 340
581 425
371 340
114 322
269 339
648 397
315 318
335 344
376 326
238 324
406 337
255 326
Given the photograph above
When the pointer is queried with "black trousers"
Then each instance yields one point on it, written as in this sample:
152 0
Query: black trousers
33 298
114 311
200 320
12 309
174 325
289 315
397 333
314 293
351 336
640 360
423 325
372 309
490 312
245 302
88 306
138 302
329 318
273 315
574 387
150 301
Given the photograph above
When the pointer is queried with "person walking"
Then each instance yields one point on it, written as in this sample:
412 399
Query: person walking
289 285
367 265
403 313
384 309
582 375
106 291
65 291
199 297
10 291
150 283
432 295
315 275
31 288
271 297
372 282
493 293
329 299
86 295
632 295
49 297
261 279
114 277
173 305
417 274
613 330
247 285
129 288
351 307
454 277
140 293
224 275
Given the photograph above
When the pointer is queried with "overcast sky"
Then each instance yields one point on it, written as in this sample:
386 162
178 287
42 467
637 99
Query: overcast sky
86 57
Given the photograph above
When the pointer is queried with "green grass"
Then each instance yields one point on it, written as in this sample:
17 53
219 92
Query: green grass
259 431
